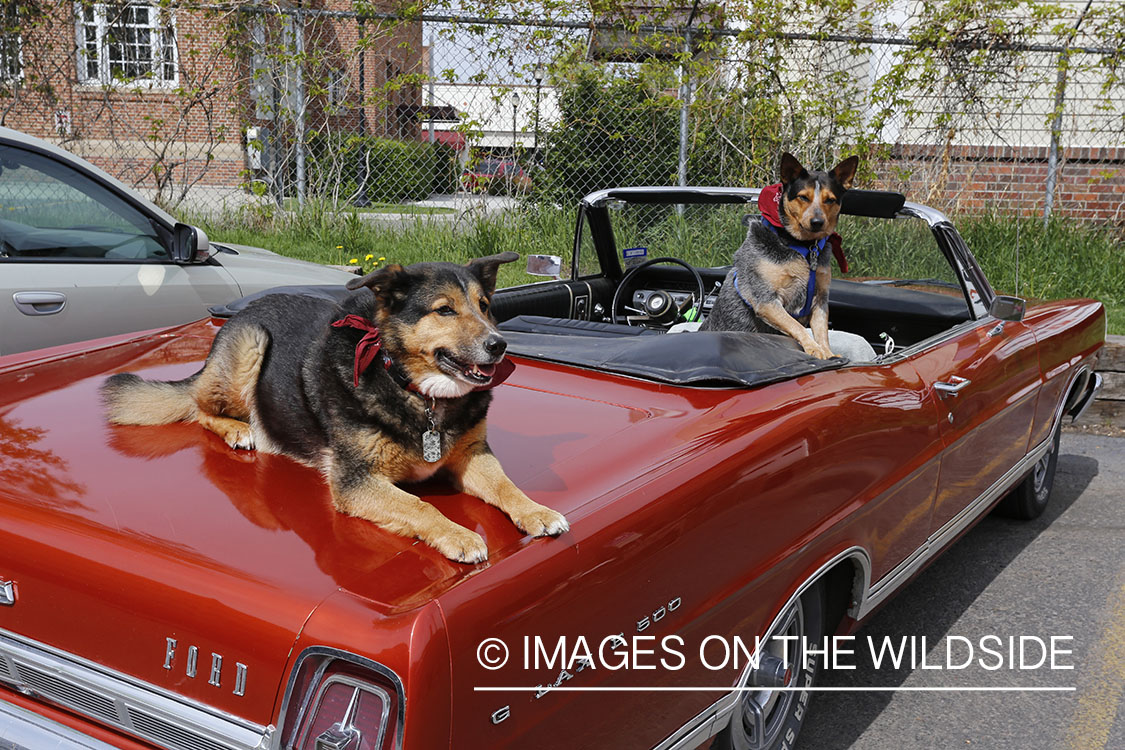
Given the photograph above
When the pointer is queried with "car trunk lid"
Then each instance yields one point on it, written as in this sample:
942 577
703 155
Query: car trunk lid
161 554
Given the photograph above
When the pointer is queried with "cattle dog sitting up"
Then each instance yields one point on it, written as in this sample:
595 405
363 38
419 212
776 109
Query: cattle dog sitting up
385 388
780 276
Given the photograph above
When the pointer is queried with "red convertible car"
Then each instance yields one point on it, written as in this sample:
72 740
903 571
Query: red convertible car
160 590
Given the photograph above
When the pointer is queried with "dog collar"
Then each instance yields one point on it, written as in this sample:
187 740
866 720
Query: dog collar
371 345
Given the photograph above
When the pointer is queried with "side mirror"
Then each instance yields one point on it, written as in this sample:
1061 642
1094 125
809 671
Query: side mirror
544 265
1007 308
190 244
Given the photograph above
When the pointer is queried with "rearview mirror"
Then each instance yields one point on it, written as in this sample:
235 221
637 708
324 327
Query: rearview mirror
190 244
1007 308
544 265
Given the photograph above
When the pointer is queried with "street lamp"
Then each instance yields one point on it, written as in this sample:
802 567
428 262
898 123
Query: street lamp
539 75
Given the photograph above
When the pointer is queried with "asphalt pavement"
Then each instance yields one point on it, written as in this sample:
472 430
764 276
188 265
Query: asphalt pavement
1062 575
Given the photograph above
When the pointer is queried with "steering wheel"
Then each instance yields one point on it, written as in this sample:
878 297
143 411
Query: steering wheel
660 307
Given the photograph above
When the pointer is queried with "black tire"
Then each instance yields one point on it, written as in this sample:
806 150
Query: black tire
783 713
1029 498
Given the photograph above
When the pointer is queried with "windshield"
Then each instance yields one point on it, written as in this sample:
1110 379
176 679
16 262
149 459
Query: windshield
900 252
704 235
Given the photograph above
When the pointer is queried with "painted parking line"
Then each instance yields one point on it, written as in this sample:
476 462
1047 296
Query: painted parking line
1100 697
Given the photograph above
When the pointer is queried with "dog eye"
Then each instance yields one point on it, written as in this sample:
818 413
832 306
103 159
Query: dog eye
445 310
803 198
829 200
484 305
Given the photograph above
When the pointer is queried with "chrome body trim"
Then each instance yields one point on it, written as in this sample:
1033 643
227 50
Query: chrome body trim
21 729
947 533
712 719
866 597
938 540
121 702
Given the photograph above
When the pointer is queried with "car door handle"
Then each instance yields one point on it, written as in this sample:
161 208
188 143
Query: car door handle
39 303
953 386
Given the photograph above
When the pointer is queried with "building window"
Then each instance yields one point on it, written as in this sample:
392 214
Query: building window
126 42
10 42
338 85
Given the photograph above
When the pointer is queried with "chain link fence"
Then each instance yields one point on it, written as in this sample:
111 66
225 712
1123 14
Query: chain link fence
998 105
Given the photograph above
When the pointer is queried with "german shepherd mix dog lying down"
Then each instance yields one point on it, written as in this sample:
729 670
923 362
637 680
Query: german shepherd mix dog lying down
385 388
781 274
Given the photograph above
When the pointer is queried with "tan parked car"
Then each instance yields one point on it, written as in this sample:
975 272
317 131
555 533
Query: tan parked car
83 256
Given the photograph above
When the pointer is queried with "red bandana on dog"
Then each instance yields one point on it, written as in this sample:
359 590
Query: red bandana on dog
769 203
370 345
367 347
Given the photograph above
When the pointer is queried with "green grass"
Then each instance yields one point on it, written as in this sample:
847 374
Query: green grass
1020 256
324 237
410 209
1064 259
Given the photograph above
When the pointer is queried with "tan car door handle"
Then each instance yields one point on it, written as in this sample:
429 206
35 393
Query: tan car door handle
39 303
951 387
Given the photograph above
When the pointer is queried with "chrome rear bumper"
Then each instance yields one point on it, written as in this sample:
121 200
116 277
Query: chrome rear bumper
1090 389
21 729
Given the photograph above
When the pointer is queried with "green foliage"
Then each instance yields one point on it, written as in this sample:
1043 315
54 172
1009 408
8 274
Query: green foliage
386 170
612 131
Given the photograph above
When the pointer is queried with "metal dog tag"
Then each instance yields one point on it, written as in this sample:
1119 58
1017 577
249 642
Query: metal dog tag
431 446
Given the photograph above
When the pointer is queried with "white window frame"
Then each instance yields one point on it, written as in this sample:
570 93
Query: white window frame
161 27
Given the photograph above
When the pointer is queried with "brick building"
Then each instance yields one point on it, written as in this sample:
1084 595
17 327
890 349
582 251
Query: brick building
162 94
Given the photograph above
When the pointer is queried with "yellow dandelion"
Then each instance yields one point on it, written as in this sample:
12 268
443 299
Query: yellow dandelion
339 247
369 256
354 260
382 259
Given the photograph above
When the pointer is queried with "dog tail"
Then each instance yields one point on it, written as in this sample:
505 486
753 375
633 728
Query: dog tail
130 399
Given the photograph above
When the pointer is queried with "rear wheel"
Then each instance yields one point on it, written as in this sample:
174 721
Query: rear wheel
768 719
1029 499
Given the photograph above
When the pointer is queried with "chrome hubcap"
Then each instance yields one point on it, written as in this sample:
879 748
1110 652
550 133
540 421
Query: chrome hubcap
1039 473
764 711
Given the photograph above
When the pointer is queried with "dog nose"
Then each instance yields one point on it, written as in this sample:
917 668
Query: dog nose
816 224
495 345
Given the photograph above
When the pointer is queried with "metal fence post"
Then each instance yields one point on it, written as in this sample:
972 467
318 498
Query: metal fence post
1057 117
1053 149
685 102
299 120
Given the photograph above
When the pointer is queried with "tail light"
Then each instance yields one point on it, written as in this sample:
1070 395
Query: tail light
340 701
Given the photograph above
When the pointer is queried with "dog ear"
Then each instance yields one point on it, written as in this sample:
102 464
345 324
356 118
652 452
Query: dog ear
791 169
486 269
388 284
844 172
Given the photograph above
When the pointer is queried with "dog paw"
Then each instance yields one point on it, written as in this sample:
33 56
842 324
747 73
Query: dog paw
462 546
818 351
542 522
240 438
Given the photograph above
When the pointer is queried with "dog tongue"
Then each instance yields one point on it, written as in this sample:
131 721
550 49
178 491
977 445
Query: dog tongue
498 373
